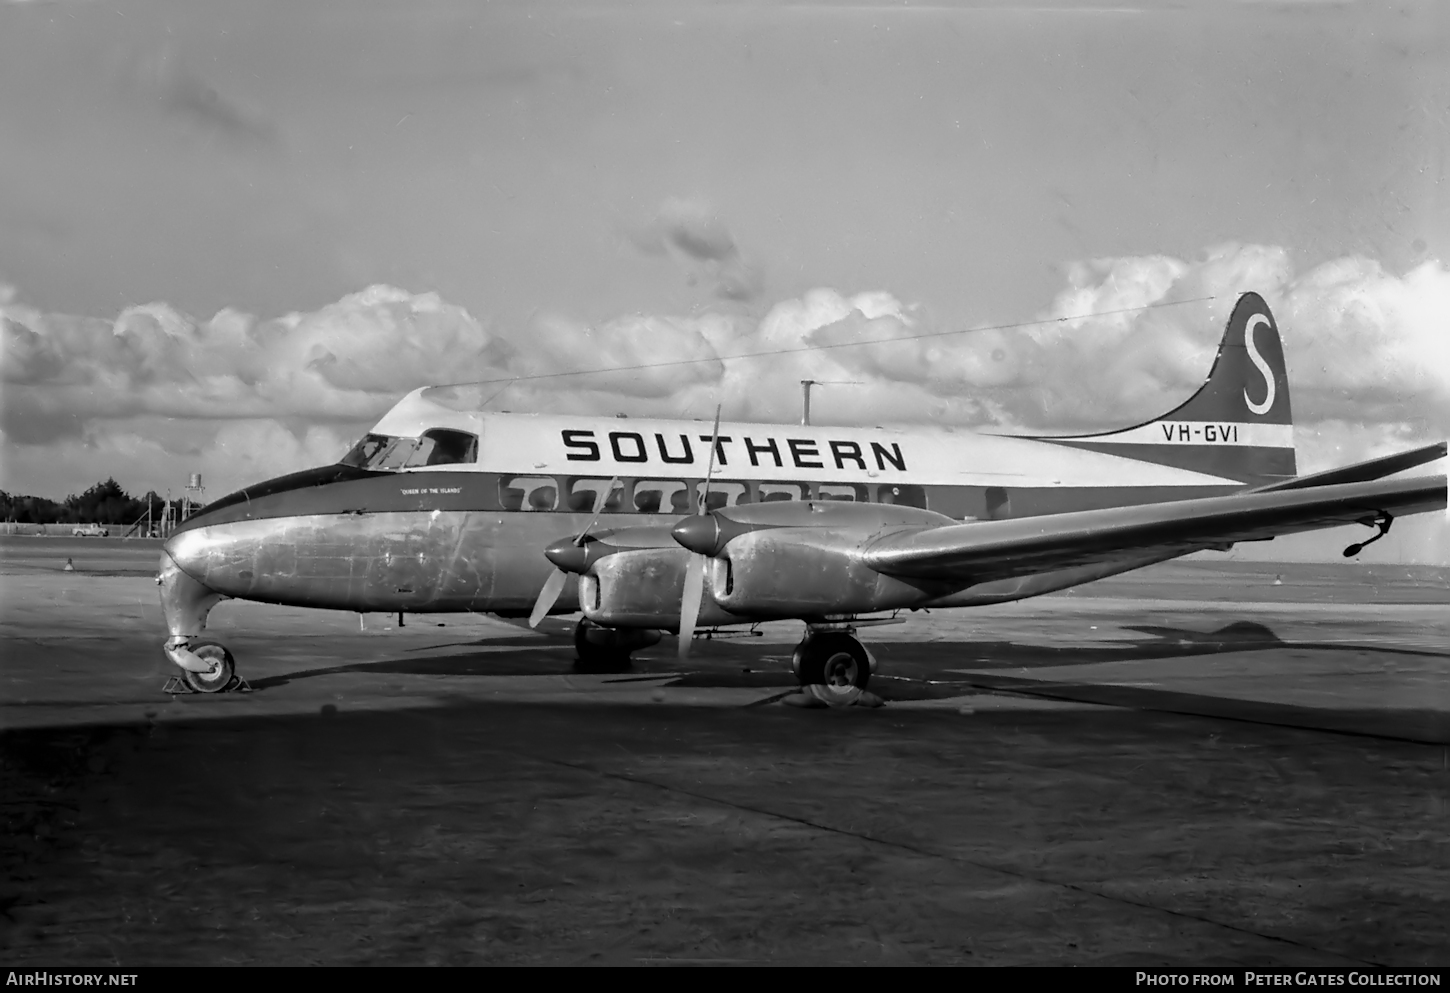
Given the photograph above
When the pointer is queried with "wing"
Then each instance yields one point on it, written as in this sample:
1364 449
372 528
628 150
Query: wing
988 550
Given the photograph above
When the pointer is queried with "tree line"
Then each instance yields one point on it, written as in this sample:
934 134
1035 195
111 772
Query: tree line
104 503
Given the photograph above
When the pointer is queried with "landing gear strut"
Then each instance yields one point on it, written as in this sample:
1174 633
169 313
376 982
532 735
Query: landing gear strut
833 661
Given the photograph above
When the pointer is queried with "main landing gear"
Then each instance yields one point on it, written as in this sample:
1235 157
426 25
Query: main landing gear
604 650
832 665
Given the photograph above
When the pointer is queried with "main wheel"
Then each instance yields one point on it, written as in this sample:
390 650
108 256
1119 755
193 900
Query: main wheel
223 667
836 661
596 651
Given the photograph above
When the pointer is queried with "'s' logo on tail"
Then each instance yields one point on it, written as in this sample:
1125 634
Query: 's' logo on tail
1260 364
1220 431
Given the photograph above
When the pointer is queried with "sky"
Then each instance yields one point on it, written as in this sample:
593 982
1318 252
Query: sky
232 234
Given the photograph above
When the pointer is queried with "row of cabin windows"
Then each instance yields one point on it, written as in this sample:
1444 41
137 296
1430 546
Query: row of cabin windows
582 494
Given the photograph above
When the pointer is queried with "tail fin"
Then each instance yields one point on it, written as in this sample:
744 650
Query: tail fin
1237 426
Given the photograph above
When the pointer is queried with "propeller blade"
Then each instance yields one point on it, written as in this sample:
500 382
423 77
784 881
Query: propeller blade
704 504
553 586
690 602
599 502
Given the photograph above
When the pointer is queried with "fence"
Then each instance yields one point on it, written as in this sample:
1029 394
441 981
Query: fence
55 530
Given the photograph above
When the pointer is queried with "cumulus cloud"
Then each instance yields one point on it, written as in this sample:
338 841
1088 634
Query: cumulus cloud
1129 338
1375 346
692 232
678 349
347 361
1124 339
144 456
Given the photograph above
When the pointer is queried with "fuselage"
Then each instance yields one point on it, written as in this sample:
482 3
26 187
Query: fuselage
443 508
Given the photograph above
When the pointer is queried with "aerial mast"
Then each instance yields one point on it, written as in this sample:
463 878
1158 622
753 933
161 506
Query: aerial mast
806 385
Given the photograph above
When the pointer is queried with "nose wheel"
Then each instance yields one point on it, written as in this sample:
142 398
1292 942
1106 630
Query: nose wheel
223 668
219 674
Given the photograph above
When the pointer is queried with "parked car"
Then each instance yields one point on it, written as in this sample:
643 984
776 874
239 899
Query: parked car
90 531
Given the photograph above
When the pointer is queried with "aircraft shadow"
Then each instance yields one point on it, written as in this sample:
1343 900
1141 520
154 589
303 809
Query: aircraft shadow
521 663
1167 642
729 664
512 641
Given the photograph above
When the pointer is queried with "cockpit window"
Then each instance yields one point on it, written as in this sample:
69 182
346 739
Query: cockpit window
438 446
441 446
381 452
360 454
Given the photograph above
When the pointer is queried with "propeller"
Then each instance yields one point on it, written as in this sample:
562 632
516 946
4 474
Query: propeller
695 567
554 585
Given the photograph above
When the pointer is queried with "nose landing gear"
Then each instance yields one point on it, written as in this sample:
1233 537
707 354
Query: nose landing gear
206 667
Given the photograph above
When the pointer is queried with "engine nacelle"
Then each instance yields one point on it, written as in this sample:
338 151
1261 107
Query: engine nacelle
807 572
642 587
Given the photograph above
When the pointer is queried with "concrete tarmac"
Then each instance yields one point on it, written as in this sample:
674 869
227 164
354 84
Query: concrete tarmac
1194 764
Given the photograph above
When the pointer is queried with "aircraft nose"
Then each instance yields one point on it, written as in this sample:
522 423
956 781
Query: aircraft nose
188 550
700 534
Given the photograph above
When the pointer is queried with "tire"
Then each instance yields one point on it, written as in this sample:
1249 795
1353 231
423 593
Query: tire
836 661
220 677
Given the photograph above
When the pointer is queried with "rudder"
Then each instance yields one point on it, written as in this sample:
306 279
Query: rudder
1237 426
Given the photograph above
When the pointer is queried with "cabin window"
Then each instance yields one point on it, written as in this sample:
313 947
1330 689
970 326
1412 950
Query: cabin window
662 496
904 495
999 504
725 493
771 492
528 493
850 493
584 494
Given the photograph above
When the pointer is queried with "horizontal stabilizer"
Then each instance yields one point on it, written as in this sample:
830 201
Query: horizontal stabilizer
1379 468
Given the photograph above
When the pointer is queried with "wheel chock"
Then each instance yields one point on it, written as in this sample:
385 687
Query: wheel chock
815 696
176 686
